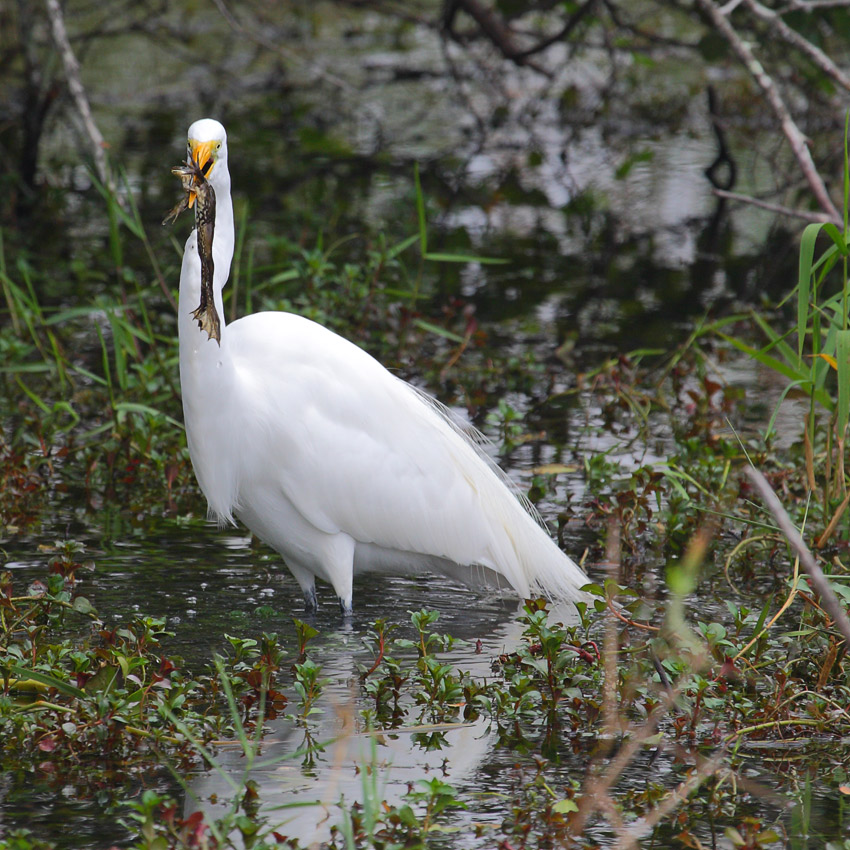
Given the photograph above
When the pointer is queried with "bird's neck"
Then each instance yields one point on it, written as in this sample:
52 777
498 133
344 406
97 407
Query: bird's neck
207 375
224 238
190 279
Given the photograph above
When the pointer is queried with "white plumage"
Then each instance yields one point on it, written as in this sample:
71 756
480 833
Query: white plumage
330 459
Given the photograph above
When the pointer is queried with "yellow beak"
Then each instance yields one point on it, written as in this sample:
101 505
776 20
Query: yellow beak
202 153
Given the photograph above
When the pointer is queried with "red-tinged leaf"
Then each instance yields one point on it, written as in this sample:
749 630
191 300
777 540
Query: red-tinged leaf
728 669
47 745
37 588
844 789
194 820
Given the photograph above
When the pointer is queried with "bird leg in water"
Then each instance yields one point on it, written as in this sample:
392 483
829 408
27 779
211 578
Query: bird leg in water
197 187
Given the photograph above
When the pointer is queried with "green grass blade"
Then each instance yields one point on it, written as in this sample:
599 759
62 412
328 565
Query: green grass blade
25 368
778 342
402 246
37 400
842 357
51 681
235 717
464 258
772 421
804 280
147 410
846 168
846 197
119 343
767 360
837 238
438 331
420 211
803 378
131 222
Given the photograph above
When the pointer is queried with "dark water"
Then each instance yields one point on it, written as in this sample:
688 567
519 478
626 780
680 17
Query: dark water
599 263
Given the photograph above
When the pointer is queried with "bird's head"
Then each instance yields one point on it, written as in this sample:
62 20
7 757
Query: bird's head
207 146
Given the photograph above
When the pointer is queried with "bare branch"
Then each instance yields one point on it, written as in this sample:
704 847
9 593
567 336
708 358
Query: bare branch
253 34
496 31
596 787
802 44
610 703
78 93
572 22
811 5
669 803
764 81
817 218
828 598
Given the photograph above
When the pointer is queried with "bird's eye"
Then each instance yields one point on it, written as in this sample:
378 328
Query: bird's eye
218 146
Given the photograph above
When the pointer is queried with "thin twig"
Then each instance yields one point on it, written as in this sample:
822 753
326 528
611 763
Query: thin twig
78 92
646 627
817 56
596 788
833 523
785 605
291 55
811 5
610 702
563 34
816 218
671 801
496 30
828 598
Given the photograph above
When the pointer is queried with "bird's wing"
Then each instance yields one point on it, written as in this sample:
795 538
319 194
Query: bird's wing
357 450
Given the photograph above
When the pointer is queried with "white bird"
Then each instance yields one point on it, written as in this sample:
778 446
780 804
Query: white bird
330 459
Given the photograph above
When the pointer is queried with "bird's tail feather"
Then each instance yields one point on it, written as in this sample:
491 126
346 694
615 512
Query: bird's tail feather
541 567
521 549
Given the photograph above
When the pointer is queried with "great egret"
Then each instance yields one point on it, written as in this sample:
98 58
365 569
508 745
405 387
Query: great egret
340 466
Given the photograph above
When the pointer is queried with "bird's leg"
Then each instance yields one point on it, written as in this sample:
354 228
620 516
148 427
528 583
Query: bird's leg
338 568
307 582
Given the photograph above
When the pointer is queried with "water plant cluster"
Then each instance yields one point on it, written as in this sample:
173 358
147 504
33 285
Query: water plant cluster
107 712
